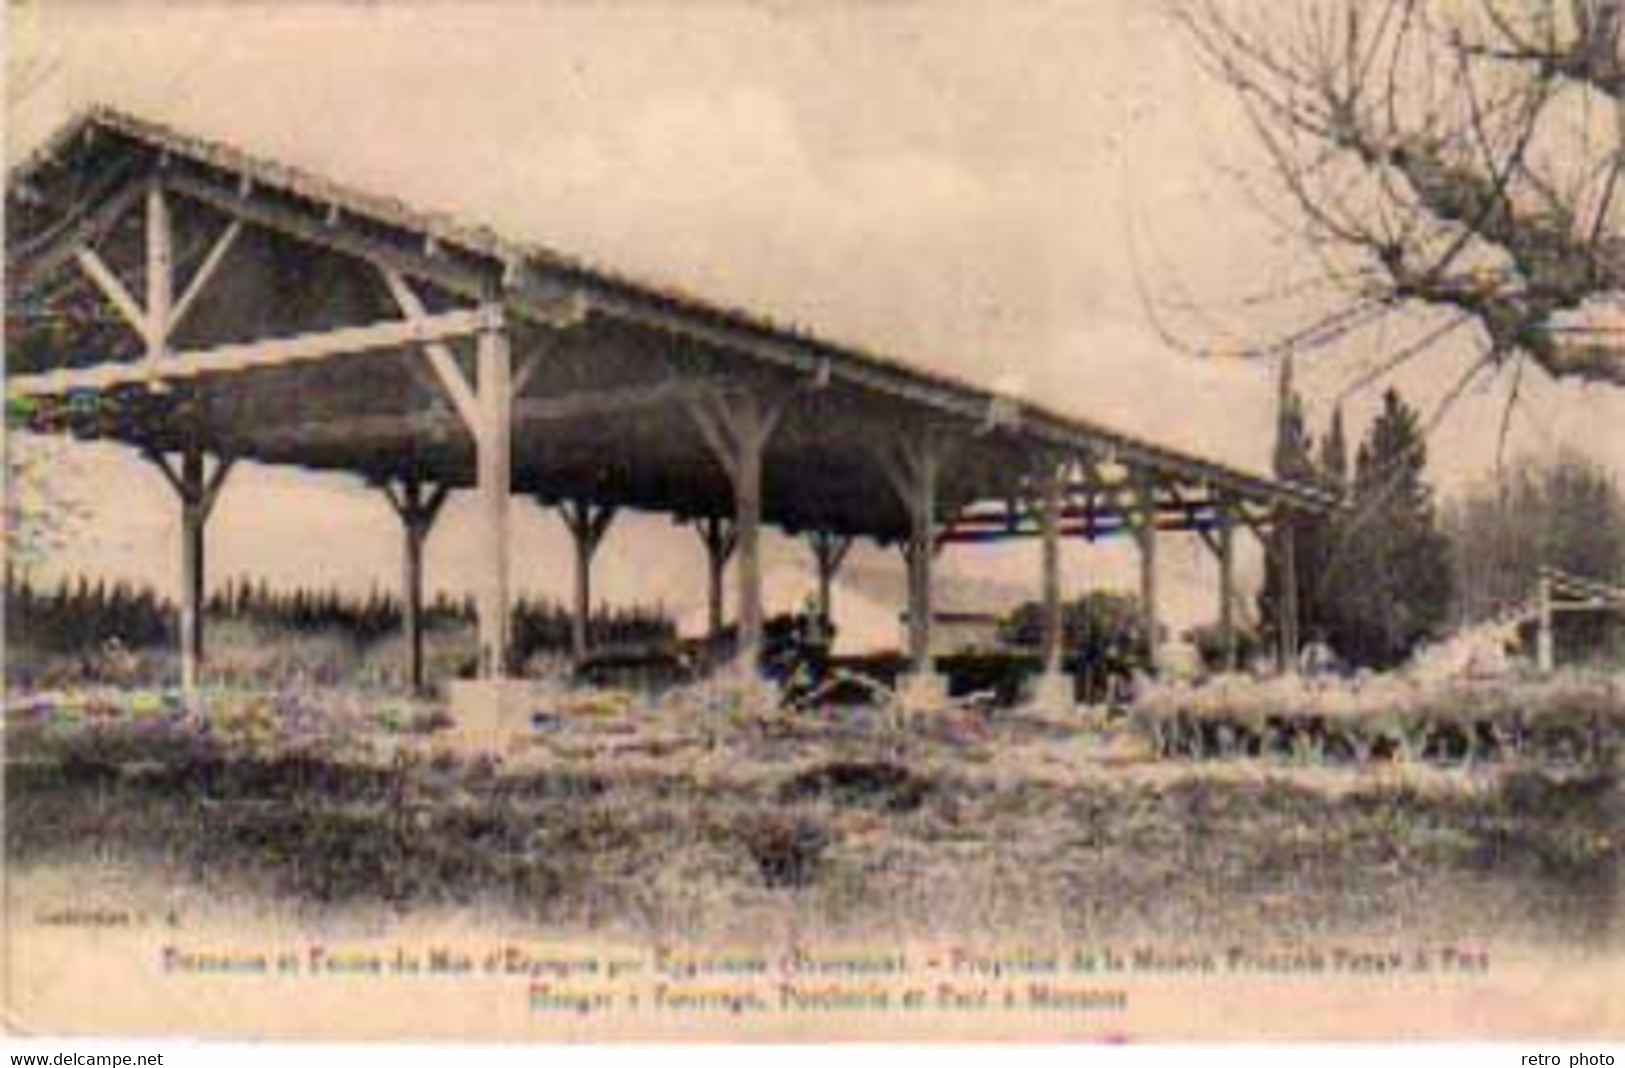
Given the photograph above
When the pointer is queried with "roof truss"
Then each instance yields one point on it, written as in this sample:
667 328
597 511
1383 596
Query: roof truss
448 283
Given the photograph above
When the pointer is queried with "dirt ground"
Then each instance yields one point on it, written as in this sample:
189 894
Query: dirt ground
713 823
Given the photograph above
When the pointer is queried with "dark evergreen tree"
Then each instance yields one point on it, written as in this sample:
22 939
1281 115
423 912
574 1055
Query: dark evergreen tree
1334 456
1294 461
1388 566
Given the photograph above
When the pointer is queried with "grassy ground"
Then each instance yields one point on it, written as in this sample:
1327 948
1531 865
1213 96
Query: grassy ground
699 816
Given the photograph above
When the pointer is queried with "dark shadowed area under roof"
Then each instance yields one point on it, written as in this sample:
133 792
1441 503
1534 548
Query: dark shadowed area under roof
608 366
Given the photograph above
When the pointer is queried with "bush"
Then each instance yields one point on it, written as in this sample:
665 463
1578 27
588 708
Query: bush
787 849
94 632
864 784
1574 718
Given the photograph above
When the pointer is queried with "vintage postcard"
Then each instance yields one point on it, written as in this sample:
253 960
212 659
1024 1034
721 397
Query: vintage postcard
1077 520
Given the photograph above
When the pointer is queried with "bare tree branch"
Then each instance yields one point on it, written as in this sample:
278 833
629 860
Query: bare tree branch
1437 143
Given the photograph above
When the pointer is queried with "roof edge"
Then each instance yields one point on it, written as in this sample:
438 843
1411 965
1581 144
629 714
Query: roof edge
483 241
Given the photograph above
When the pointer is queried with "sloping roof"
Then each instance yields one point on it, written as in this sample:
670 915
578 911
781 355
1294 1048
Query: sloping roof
717 324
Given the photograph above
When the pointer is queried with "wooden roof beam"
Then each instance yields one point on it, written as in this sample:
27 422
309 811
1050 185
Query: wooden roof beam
258 355
1101 527
41 264
267 209
550 290
364 430
359 431
615 401
205 272
545 300
440 357
110 287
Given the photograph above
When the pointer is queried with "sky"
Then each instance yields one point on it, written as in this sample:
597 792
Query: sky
985 189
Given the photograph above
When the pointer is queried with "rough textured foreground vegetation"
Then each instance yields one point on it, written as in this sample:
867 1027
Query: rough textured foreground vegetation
701 817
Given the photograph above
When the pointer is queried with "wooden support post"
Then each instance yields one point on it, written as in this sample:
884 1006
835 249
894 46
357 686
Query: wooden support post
1055 689
912 466
1545 639
1049 517
412 594
748 521
922 550
417 513
194 520
1286 541
494 441
717 535
198 489
737 428
1227 586
160 273
716 567
1145 533
587 524
829 552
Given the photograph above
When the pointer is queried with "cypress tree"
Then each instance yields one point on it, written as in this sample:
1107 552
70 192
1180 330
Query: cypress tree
1389 565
